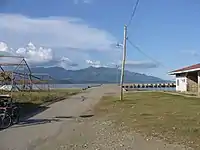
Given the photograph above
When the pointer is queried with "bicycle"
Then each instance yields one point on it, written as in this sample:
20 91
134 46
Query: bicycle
9 112
5 120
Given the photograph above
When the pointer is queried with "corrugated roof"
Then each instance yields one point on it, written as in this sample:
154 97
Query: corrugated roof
196 66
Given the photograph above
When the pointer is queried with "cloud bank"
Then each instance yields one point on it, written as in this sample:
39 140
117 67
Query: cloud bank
76 40
129 64
136 64
94 63
141 64
63 39
35 56
66 32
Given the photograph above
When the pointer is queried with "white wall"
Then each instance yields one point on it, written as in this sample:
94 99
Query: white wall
199 83
182 85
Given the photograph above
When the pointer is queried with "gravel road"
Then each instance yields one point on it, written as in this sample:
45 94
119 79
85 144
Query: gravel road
70 125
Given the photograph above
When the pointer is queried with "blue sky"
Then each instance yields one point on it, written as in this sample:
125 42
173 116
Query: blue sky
84 32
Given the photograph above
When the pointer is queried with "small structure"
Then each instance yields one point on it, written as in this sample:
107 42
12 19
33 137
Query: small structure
16 75
188 79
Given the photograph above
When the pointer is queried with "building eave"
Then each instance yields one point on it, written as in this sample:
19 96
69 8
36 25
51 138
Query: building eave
185 71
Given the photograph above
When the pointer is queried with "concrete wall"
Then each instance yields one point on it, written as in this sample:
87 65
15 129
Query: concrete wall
189 82
192 82
199 83
181 83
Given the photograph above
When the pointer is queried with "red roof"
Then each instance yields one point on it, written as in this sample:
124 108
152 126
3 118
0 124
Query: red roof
197 66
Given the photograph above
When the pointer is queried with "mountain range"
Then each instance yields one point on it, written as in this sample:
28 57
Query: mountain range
94 75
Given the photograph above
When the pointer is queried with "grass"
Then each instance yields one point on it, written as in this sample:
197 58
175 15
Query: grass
173 118
31 101
40 97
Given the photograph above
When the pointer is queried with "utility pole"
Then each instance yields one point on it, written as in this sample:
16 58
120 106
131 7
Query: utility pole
123 63
117 70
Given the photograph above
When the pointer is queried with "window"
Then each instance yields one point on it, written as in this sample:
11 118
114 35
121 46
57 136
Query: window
177 82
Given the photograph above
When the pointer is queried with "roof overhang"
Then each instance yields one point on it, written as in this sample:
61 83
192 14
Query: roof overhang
185 71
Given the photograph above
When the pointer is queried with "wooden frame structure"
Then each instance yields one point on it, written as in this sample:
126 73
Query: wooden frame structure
20 76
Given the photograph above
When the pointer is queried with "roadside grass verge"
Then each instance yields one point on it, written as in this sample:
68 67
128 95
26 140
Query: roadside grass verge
31 101
174 118
40 97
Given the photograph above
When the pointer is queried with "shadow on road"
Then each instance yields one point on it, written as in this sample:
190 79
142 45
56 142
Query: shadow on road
32 122
86 116
28 110
70 117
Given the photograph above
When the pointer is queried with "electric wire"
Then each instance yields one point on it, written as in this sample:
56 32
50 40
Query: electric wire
141 51
133 12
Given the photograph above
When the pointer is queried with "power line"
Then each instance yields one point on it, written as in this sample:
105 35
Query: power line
138 49
133 12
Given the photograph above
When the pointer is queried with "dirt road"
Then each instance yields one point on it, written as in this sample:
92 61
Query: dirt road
69 125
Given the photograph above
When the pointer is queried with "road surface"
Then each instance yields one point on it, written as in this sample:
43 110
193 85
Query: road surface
69 125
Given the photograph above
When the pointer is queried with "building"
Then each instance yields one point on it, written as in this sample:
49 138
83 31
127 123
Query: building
188 79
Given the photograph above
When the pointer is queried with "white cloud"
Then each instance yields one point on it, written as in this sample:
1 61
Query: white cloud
66 62
34 54
137 64
129 64
5 50
3 47
45 57
94 63
141 64
66 32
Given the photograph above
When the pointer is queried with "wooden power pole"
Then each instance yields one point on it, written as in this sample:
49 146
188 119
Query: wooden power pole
123 63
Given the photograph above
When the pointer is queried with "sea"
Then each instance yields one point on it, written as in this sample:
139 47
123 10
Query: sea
64 86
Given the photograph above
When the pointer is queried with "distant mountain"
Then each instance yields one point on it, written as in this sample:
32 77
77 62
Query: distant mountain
94 75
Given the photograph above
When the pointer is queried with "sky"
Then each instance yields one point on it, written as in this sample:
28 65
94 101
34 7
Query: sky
76 34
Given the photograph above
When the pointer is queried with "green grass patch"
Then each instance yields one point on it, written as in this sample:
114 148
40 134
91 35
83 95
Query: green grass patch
174 118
